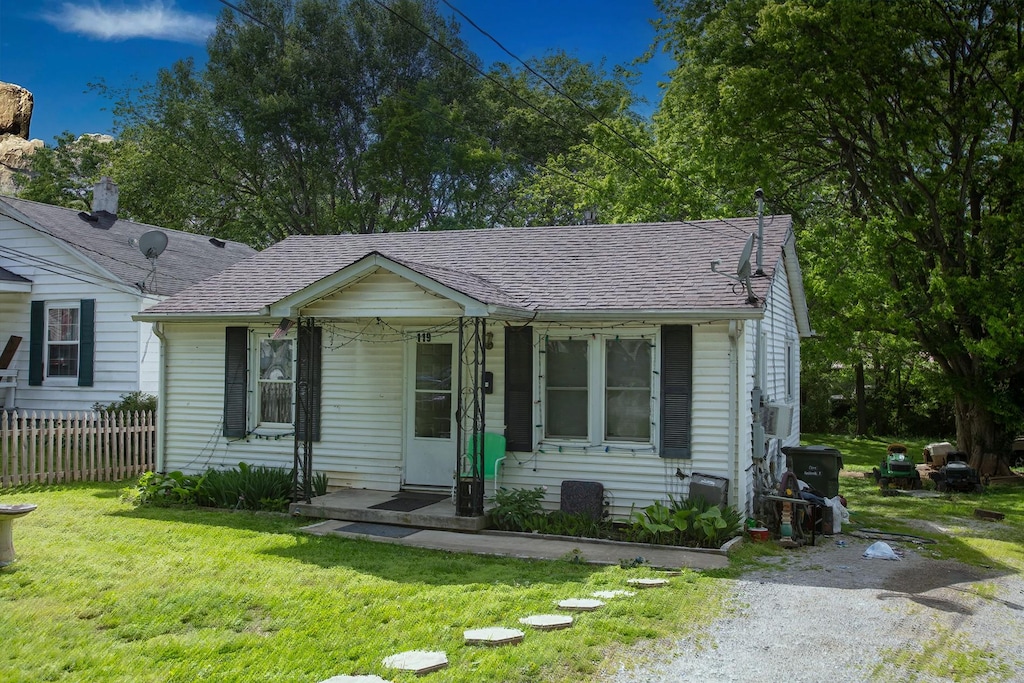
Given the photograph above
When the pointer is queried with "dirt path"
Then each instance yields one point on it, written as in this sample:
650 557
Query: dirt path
830 615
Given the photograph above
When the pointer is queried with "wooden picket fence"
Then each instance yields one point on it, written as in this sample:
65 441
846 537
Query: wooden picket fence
53 449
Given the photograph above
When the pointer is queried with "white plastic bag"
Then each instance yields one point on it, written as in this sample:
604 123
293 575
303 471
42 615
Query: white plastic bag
880 550
840 515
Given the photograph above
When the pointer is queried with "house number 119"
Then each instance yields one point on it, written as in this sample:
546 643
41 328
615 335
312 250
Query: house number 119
423 337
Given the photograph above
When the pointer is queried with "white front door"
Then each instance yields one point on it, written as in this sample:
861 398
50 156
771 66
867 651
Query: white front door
430 446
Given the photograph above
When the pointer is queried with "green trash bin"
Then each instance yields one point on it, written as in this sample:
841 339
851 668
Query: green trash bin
817 466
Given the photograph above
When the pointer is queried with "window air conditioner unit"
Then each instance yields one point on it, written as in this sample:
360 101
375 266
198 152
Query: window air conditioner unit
778 420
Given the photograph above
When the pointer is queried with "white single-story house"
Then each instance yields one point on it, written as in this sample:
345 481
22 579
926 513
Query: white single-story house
602 353
70 283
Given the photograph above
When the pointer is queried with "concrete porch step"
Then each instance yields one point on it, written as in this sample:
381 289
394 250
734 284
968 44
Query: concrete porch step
357 505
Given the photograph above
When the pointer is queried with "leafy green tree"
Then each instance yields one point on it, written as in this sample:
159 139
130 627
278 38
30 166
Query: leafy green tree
314 117
893 131
65 174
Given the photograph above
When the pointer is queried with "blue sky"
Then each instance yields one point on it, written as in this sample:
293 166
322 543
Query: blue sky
55 48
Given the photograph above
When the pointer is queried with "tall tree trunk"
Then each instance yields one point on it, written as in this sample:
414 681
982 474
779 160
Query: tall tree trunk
976 436
862 403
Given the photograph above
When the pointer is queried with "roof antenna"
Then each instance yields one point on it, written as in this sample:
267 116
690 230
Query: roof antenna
759 196
742 275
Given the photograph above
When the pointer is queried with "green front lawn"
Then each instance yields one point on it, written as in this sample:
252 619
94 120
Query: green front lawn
106 592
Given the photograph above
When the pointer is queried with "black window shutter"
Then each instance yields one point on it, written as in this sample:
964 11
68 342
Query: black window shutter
676 390
36 340
519 388
236 380
86 341
310 360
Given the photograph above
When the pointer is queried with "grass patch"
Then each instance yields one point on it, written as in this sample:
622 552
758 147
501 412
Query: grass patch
107 592
947 656
948 519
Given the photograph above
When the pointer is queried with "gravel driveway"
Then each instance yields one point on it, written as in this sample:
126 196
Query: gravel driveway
828 614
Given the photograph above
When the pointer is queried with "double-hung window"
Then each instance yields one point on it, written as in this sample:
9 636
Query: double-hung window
275 383
63 336
598 389
627 389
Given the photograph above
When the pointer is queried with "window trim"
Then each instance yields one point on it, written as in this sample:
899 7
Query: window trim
61 304
597 388
255 394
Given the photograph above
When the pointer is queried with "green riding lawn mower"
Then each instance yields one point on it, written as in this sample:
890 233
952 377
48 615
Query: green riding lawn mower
897 470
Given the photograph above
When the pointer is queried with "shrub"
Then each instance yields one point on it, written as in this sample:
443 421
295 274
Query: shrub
244 487
247 487
515 509
136 401
688 523
173 488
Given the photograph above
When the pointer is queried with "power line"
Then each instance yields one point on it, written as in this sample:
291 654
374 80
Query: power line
632 143
614 158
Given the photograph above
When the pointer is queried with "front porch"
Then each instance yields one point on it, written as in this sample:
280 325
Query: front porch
429 510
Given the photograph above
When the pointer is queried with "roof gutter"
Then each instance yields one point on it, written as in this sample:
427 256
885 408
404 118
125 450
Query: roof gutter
653 315
204 317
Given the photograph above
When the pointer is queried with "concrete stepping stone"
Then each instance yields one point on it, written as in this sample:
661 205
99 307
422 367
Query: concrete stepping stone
494 635
355 679
611 595
547 622
418 661
648 583
580 604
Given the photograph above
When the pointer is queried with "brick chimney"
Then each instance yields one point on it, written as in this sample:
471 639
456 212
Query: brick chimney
104 196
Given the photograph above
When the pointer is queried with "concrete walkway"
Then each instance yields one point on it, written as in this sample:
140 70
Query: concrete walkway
527 546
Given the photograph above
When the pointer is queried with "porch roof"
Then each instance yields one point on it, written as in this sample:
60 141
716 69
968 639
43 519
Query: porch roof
562 270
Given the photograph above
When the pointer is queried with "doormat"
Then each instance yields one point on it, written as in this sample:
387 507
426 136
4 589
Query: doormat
370 529
407 502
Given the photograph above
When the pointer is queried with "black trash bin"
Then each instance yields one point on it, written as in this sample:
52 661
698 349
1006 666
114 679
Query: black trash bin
817 466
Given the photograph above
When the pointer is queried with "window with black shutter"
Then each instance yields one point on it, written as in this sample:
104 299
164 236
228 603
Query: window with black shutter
519 388
676 390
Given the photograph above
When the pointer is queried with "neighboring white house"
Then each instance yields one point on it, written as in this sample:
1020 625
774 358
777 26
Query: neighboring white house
604 353
70 283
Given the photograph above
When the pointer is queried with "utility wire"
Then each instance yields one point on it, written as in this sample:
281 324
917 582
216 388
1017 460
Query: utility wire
614 158
632 143
497 82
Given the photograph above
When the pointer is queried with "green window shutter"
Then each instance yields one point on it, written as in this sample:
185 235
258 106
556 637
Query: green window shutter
519 388
86 341
676 390
236 380
36 342
310 361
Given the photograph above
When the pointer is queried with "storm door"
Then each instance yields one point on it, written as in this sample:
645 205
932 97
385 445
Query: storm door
430 447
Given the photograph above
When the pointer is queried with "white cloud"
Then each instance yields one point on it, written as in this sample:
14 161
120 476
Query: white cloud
153 19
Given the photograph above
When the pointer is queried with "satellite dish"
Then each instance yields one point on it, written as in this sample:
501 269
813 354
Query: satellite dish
153 243
743 267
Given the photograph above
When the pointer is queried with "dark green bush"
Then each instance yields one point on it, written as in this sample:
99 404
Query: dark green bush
247 488
241 488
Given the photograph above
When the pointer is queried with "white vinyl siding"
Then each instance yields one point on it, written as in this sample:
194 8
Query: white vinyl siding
634 474
383 294
59 275
361 408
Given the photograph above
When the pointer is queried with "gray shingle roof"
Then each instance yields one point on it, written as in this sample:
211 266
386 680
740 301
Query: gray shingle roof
637 267
110 242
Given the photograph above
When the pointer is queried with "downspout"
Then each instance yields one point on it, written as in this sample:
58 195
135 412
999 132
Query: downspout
161 406
734 405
